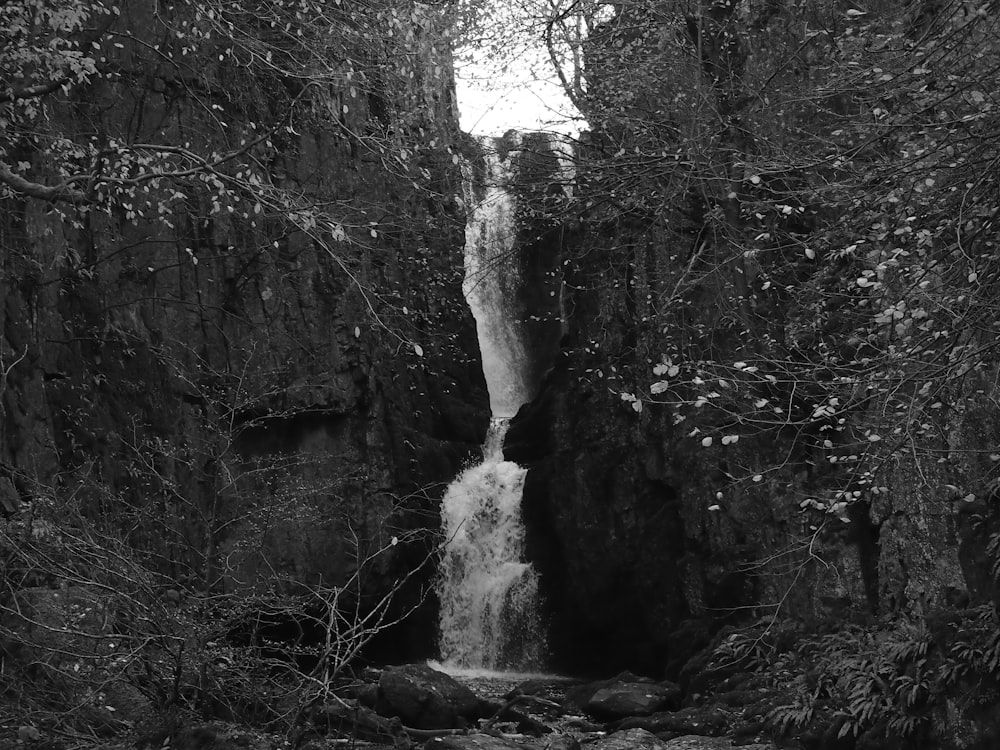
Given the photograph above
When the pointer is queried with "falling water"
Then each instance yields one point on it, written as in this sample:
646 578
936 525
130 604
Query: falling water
488 593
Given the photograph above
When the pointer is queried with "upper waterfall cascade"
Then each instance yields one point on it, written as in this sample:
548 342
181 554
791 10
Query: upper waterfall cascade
490 274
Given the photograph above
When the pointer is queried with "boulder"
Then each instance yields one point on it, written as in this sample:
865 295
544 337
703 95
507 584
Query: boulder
622 699
424 698
577 696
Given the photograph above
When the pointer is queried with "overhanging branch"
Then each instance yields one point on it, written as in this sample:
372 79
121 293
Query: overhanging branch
61 193
33 92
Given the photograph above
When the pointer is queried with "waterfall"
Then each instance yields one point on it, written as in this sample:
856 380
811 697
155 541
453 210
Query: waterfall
488 593
491 280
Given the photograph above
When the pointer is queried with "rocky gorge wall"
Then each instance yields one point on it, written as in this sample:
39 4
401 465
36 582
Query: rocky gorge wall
648 543
740 428
257 398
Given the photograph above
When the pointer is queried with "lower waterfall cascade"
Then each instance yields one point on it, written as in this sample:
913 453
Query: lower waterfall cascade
488 593
489 607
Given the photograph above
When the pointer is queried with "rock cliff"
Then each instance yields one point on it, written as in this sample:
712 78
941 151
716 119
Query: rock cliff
261 363
741 425
648 540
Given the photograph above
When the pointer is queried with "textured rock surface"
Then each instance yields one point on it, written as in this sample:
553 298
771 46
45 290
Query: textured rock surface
424 698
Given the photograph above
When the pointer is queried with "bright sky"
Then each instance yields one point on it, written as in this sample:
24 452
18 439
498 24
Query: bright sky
491 102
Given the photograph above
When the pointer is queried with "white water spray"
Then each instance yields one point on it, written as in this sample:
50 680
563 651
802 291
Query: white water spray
488 593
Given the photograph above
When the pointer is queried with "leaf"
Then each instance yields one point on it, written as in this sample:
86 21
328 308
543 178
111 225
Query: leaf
706 442
659 387
730 439
810 253
418 350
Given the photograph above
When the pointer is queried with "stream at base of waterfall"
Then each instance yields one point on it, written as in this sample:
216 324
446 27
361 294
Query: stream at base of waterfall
488 593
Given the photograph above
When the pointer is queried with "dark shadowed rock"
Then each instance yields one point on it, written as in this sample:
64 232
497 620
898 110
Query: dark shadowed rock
631 699
578 696
425 698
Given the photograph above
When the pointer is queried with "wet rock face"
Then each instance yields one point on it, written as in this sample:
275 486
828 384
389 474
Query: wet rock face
605 537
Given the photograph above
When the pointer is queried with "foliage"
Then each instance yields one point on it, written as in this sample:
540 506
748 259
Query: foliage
896 681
